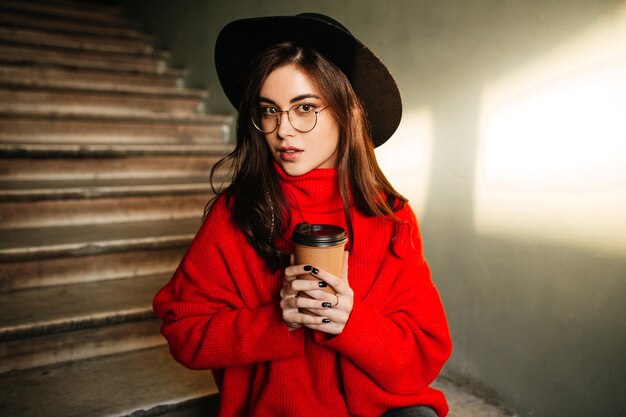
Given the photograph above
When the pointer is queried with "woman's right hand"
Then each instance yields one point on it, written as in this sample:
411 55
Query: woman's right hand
290 302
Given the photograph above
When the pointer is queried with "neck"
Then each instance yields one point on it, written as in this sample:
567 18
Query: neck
315 192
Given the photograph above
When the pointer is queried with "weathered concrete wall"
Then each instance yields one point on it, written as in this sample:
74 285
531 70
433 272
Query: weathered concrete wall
512 151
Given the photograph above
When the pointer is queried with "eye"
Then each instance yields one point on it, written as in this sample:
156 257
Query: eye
305 108
269 111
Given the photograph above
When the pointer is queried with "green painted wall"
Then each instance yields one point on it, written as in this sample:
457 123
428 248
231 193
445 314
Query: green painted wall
534 286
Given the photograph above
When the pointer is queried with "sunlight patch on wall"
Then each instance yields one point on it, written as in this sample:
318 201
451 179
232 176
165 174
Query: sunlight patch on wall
552 160
405 158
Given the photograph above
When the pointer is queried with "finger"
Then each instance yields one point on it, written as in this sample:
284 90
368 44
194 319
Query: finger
309 320
291 272
290 318
326 326
295 270
338 284
307 285
326 303
286 290
321 295
292 259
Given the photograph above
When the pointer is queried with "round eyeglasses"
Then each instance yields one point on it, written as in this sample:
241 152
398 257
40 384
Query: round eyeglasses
303 117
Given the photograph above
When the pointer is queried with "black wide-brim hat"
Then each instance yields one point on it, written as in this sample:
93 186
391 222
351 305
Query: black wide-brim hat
241 41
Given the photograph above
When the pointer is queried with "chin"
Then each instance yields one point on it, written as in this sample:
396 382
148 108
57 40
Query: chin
295 170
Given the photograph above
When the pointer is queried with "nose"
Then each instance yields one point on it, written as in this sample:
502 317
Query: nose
284 125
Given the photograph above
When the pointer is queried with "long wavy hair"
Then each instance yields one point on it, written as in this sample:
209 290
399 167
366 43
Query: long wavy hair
257 204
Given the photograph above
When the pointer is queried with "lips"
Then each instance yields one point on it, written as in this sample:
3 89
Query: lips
289 154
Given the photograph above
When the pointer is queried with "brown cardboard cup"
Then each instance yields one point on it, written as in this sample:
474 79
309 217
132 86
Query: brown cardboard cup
321 246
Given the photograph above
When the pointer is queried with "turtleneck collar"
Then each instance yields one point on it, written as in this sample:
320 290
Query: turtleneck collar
317 191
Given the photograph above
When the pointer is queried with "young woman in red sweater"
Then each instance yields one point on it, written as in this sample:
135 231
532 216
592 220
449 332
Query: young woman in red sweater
312 102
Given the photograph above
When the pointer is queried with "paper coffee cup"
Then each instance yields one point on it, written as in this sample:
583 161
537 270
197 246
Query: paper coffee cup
320 245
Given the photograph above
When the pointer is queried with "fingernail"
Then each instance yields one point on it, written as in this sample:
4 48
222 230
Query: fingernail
308 268
315 271
322 284
325 320
326 305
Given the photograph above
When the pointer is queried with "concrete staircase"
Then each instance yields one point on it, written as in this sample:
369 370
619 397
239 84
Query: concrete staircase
104 162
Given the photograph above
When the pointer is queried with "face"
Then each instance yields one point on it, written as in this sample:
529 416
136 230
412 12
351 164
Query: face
297 152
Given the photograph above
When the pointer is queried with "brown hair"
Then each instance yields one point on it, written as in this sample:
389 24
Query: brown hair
254 194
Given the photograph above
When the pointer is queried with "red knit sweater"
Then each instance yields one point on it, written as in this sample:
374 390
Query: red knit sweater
221 312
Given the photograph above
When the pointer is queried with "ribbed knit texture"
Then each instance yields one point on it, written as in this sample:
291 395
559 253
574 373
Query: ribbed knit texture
221 312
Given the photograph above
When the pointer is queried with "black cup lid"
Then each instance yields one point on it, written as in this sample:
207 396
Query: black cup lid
319 235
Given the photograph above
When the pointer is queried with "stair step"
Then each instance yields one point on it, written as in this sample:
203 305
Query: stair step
42 311
32 81
61 241
153 381
76 150
18 52
108 78
32 257
70 10
202 407
30 214
85 168
44 126
43 37
56 203
76 26
31 273
55 348
95 188
85 101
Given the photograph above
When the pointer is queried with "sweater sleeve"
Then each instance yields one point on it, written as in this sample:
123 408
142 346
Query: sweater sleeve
208 319
399 336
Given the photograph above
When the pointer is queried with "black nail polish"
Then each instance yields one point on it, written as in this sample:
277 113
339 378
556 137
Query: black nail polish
308 268
326 321
326 305
315 271
322 284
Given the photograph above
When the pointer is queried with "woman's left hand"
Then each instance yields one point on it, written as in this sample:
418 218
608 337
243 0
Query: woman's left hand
338 313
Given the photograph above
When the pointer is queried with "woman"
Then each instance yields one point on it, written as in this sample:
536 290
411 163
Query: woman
313 103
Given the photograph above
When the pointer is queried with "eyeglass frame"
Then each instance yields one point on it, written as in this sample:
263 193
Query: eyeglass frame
279 114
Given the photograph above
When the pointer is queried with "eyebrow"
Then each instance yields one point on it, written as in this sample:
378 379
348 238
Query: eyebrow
293 100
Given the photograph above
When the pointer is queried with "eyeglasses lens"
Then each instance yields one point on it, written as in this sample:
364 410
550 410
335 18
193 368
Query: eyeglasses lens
302 121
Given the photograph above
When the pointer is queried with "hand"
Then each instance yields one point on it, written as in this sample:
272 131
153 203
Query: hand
330 311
